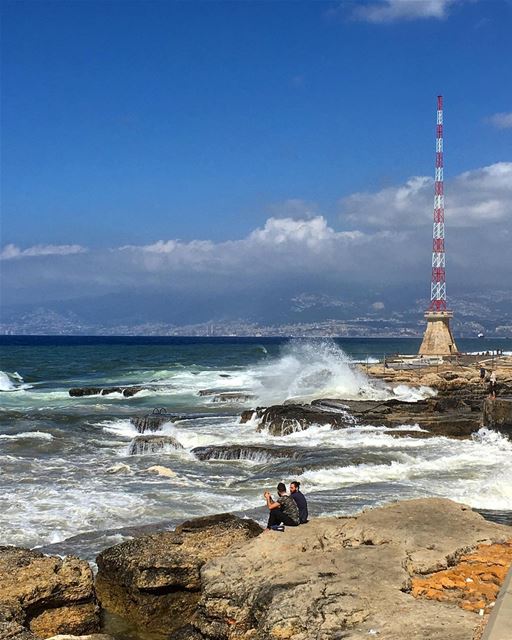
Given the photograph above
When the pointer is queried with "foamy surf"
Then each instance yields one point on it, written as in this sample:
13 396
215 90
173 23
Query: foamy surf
36 435
12 382
311 369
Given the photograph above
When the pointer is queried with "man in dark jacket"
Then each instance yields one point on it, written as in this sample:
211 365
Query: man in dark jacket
283 510
300 501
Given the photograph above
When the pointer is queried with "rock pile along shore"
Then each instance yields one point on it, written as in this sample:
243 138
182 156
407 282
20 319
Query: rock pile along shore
413 570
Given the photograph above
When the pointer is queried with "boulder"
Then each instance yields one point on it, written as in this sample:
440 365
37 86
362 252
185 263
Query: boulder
252 453
497 413
54 595
154 581
143 445
281 420
346 577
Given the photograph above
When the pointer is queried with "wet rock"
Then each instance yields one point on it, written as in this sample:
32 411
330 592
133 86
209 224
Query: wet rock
233 396
497 413
150 422
346 577
154 581
452 417
54 595
127 392
252 453
281 420
143 445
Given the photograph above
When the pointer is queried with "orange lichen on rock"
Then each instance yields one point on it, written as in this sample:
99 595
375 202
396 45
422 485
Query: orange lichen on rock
473 583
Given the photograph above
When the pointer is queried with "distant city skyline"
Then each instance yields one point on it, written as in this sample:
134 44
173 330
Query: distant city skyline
216 155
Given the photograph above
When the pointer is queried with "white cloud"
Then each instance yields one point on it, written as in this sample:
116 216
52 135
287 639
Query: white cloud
294 208
384 240
501 120
11 251
472 199
397 10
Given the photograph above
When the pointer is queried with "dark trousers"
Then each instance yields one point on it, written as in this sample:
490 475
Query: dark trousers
276 516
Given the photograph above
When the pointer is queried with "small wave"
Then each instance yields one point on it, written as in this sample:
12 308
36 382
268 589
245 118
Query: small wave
12 382
38 435
121 428
412 394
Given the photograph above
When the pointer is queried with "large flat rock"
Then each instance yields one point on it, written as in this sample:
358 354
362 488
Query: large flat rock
345 577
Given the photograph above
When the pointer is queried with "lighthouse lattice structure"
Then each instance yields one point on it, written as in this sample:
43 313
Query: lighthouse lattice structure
438 338
438 285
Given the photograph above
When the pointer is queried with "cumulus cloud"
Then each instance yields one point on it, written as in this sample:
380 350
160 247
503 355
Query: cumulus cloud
386 11
501 120
382 240
11 251
473 198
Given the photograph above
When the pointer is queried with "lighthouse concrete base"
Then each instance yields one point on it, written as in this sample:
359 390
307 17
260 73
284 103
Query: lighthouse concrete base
438 339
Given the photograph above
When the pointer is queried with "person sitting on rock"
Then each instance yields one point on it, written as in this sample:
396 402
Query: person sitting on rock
283 510
300 501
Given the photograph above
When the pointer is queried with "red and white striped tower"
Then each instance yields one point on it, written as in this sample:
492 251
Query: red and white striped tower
438 285
438 339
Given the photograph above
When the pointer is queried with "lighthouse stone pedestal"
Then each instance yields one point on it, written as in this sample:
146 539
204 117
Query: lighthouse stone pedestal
438 339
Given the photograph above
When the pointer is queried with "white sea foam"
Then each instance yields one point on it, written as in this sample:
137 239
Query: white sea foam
37 435
477 472
12 382
319 368
121 428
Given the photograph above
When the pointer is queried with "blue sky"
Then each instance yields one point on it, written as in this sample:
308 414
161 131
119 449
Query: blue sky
133 123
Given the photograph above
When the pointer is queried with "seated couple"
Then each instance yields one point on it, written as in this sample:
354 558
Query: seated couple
290 510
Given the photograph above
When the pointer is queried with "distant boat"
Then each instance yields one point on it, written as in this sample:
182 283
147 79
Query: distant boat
480 335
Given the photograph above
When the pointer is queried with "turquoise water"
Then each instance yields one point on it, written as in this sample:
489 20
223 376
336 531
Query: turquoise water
66 468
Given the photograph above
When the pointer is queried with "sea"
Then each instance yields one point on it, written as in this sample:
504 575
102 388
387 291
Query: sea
72 482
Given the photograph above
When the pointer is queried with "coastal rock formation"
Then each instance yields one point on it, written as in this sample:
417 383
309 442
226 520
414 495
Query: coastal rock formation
141 445
438 416
220 396
127 392
282 420
47 595
151 422
497 413
345 577
154 581
237 452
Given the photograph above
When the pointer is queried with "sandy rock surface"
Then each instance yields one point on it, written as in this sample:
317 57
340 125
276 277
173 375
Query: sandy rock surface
53 595
345 578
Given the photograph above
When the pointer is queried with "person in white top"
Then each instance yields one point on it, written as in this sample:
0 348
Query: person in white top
492 385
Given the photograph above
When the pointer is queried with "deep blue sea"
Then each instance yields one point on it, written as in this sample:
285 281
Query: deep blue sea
67 466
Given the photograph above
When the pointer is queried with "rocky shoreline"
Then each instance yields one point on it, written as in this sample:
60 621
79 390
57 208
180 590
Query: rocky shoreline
416 569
